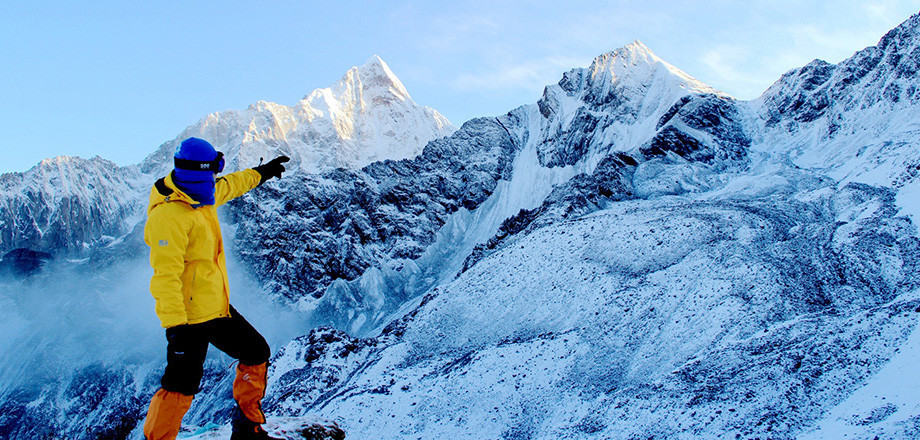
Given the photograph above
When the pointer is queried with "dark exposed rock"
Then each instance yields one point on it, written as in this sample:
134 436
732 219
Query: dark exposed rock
338 224
328 358
23 262
569 146
701 128
331 431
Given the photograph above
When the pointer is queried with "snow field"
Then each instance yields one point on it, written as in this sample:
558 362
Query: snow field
674 317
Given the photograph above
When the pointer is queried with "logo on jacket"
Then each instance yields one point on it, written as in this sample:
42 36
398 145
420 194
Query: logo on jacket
164 243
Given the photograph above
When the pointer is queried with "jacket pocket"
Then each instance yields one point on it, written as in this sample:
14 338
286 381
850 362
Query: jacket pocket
193 280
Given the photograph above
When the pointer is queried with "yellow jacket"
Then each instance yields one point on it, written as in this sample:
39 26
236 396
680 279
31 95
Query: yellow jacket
189 280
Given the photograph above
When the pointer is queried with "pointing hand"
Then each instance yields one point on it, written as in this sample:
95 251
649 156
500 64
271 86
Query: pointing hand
273 168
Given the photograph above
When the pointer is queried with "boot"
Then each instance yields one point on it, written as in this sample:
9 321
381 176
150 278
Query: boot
245 429
165 415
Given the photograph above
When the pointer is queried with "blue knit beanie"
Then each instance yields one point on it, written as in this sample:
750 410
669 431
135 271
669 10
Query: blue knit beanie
199 185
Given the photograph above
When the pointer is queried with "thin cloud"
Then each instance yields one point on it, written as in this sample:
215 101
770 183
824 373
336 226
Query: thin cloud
529 76
738 71
453 33
884 11
837 44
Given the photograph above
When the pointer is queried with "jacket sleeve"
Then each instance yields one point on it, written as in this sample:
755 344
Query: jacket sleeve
234 185
168 240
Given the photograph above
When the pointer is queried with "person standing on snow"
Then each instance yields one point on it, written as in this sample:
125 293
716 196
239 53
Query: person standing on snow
192 294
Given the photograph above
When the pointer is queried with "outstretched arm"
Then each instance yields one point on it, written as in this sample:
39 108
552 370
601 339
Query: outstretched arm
236 184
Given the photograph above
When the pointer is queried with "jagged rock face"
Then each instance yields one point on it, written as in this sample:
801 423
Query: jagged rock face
67 205
701 316
806 105
852 121
591 109
882 74
702 128
339 223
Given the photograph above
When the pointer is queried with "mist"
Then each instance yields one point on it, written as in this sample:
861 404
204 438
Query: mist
74 314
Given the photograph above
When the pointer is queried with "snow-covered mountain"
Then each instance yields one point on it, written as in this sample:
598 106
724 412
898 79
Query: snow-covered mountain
367 116
636 255
677 264
68 205
854 121
353 246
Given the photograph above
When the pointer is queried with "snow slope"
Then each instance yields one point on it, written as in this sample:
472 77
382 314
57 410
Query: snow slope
887 406
696 317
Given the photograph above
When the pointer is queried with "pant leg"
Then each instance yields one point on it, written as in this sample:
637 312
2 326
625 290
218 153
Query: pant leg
239 339
185 354
249 389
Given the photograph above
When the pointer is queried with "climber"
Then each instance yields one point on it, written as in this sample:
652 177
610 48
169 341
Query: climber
191 291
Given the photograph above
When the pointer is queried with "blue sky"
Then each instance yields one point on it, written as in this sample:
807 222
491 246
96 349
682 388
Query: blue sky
116 79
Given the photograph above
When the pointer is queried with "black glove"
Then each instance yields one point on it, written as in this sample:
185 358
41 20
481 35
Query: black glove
273 168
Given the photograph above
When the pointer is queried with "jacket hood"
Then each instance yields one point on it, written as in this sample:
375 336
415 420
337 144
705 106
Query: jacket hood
165 190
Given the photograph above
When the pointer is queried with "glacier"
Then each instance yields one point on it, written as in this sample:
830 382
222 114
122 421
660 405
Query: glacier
636 255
